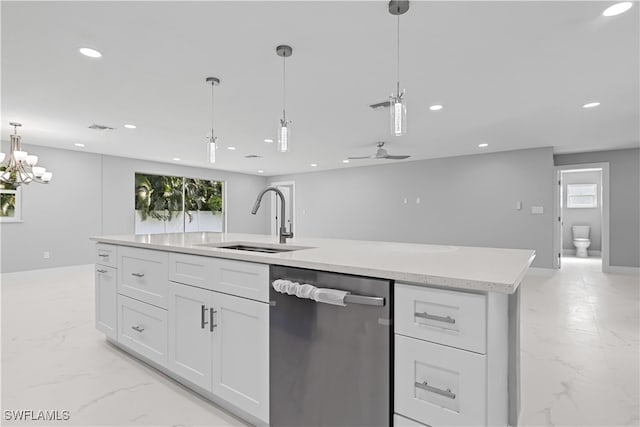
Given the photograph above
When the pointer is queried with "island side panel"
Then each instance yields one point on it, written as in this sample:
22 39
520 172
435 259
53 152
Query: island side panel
514 358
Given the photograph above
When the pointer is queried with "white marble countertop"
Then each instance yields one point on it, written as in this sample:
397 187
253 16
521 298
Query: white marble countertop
474 268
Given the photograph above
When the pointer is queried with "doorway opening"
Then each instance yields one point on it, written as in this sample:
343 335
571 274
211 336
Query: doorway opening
581 232
288 190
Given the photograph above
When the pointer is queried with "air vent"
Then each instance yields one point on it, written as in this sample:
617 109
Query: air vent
100 127
252 156
379 105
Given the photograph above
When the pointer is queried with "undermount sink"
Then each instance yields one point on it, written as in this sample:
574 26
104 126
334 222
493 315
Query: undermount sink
251 247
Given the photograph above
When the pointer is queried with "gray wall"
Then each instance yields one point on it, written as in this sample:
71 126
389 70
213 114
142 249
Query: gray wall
624 199
582 216
466 200
92 194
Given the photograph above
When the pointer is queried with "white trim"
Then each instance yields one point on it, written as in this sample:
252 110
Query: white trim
604 206
273 229
630 271
572 252
540 272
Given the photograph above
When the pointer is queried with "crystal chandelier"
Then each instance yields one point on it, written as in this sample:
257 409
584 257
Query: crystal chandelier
20 166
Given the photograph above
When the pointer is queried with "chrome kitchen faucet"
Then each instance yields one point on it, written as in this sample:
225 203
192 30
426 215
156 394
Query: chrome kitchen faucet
284 234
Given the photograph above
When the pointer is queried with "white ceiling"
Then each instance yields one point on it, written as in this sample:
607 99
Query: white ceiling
512 74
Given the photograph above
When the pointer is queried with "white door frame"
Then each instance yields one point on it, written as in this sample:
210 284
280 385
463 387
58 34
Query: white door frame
557 228
273 227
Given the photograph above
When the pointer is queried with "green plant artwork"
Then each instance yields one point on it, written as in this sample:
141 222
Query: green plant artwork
163 197
7 205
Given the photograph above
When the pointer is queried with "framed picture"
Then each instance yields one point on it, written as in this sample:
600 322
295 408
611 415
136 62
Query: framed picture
10 205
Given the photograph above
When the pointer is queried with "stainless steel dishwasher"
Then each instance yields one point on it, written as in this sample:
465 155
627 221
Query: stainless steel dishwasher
331 365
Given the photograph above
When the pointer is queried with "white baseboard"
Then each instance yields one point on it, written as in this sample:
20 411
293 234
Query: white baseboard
572 252
630 271
541 272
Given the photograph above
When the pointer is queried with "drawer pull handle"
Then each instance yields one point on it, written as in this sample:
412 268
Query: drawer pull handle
100 270
446 393
138 274
103 255
137 328
447 319
212 323
203 322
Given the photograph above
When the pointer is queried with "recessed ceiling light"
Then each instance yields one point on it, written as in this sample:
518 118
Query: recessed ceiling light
345 161
77 144
617 8
591 105
91 53
313 165
435 107
176 159
130 126
260 171
483 145
231 148
268 140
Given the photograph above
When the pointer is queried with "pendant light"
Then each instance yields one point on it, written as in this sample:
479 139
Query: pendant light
284 135
397 104
212 140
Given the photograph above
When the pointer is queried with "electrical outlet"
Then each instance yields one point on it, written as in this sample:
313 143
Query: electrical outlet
405 201
46 255
518 206
418 200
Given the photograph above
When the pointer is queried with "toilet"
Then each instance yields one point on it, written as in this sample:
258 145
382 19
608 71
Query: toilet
581 240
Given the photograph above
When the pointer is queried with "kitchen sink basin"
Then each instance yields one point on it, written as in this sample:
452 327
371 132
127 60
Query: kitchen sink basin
249 247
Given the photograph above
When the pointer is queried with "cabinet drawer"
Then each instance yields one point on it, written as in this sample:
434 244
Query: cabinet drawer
439 385
243 279
106 255
192 270
456 319
106 300
143 275
400 421
143 328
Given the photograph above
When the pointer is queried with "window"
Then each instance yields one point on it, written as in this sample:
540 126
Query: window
173 204
10 205
582 195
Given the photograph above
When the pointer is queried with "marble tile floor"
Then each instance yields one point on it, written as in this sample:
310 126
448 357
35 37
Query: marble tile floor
579 355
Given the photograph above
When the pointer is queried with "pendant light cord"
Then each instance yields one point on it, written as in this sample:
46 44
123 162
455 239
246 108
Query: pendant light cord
398 57
284 87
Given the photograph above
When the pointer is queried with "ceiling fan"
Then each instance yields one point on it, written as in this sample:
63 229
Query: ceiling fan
381 153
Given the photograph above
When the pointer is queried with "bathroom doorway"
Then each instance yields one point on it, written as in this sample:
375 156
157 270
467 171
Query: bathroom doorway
581 228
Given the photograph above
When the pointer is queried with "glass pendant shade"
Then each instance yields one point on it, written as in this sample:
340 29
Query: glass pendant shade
38 171
32 160
283 138
398 110
20 156
211 150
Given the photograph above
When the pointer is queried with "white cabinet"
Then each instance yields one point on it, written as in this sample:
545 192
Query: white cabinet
105 300
143 328
220 343
241 353
439 385
106 255
143 275
190 334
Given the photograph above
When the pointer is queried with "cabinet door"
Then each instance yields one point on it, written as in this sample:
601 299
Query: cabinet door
106 300
241 353
190 337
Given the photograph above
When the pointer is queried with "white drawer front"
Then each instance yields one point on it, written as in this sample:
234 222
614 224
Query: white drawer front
456 319
243 279
143 328
106 255
106 300
191 269
144 275
400 421
439 385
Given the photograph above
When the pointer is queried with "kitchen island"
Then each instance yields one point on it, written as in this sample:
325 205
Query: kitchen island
455 323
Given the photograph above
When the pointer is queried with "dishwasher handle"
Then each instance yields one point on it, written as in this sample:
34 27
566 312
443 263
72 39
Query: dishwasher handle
362 300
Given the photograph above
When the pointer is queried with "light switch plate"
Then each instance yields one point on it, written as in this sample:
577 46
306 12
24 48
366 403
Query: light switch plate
537 209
